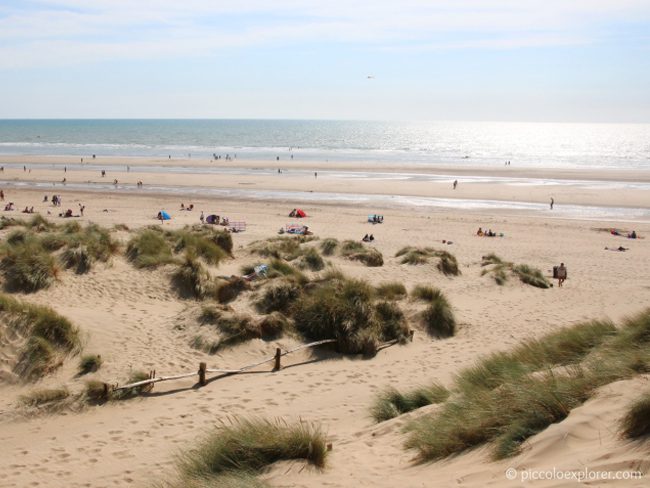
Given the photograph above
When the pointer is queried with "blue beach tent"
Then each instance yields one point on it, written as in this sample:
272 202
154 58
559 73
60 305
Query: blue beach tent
165 215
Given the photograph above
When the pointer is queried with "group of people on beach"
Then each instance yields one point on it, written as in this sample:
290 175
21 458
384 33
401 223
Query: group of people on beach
629 235
368 238
56 200
485 233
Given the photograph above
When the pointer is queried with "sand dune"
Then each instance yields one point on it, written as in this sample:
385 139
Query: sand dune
135 321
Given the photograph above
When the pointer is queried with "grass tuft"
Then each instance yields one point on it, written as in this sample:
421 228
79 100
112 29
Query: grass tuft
526 274
328 246
438 318
636 422
251 445
228 290
356 251
531 276
424 293
27 268
134 377
42 397
149 249
77 258
391 403
48 336
342 309
312 260
274 326
279 297
89 363
192 280
392 290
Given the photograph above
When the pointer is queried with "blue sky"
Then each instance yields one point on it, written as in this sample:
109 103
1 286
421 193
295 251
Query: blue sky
531 60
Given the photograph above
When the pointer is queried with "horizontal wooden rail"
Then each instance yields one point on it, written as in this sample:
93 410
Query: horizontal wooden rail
203 368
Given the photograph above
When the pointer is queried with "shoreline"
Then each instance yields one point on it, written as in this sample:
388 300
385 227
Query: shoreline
553 173
369 202
594 194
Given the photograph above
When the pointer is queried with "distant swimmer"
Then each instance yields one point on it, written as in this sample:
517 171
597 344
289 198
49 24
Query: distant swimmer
371 77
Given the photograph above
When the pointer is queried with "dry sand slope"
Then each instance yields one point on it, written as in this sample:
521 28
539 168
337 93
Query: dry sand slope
135 321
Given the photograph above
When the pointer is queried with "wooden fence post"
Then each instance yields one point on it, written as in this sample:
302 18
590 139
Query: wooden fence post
278 356
202 368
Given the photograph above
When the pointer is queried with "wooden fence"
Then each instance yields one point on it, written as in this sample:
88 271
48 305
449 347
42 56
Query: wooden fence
203 370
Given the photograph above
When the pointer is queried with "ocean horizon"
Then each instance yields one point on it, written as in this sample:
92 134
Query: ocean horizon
525 144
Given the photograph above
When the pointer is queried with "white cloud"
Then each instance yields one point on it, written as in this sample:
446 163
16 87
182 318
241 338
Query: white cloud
62 32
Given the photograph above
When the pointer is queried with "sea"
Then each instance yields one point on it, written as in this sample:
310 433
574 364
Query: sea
387 144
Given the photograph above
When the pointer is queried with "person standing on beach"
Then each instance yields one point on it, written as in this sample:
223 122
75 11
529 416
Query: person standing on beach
315 174
561 274
455 184
552 203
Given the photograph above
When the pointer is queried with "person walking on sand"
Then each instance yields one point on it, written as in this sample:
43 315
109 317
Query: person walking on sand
552 203
561 274
455 184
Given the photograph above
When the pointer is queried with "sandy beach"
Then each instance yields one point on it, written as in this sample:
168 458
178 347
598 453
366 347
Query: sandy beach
136 322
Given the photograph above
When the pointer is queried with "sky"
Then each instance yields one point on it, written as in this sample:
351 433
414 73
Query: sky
505 60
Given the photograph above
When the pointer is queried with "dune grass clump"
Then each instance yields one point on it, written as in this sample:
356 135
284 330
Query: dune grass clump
561 348
413 256
438 318
391 403
356 251
28 268
134 377
424 293
89 363
39 223
312 260
192 280
517 410
328 246
287 248
221 238
392 290
46 396
48 337
250 445
37 358
275 325
508 397
279 268
6 222
94 392
531 276
447 263
279 297
198 245
635 423
343 309
228 290
77 258
499 270
232 328
149 249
